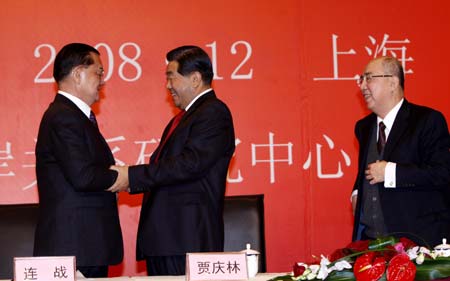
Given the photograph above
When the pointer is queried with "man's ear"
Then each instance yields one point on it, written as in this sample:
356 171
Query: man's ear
395 82
196 79
76 74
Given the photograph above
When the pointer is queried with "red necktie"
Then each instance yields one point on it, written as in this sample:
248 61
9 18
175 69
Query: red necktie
381 137
175 122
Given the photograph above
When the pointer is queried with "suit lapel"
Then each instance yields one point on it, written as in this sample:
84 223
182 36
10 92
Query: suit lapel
161 141
397 130
186 117
190 112
197 104
60 99
366 132
184 120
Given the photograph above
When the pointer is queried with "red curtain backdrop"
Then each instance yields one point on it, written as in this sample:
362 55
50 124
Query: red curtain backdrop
286 69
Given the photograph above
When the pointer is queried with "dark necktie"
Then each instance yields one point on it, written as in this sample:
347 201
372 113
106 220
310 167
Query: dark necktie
381 137
175 123
92 118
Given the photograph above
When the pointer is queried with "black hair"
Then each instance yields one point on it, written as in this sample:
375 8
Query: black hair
70 56
190 59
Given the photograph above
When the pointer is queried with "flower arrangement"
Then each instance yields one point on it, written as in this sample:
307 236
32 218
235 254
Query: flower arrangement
385 258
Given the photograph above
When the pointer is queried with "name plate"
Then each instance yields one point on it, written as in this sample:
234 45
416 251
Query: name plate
44 268
216 266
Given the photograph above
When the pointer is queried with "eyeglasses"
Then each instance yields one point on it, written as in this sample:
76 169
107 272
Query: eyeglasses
368 77
100 72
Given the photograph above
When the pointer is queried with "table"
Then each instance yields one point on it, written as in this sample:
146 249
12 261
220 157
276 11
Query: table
259 277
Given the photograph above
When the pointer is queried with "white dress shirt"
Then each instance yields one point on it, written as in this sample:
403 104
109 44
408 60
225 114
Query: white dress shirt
389 171
196 98
86 109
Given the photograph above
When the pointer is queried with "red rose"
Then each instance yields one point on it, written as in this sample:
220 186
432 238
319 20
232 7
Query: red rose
407 244
299 269
358 246
339 253
401 269
369 267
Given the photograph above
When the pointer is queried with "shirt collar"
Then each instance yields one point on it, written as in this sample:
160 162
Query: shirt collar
86 109
390 117
197 97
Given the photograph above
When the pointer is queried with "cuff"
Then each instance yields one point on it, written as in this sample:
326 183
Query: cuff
389 175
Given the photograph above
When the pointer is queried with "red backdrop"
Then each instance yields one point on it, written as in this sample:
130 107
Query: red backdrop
286 69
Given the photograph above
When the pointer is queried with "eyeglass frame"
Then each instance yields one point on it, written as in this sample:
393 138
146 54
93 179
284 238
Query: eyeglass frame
100 72
368 77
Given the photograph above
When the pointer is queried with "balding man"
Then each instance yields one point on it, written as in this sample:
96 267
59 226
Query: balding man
403 183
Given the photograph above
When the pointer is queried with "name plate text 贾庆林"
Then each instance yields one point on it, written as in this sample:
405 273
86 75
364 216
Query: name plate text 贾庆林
44 268
216 266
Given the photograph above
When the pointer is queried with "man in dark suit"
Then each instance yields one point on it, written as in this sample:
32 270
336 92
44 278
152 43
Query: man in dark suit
182 210
77 216
403 182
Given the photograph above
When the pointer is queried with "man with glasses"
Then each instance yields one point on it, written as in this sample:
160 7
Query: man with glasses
403 183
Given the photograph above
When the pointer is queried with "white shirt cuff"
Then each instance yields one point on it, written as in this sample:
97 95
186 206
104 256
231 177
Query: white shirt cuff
354 193
389 175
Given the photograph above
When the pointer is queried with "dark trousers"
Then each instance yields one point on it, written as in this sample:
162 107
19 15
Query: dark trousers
364 236
94 271
166 265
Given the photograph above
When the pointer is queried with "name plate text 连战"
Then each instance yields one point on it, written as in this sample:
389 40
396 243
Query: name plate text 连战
216 266
44 268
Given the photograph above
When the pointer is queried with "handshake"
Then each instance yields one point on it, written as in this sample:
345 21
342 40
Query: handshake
122 182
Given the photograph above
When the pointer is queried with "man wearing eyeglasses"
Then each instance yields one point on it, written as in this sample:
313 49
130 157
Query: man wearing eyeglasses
403 183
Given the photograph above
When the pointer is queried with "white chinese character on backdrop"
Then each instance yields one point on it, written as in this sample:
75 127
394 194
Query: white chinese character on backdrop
391 48
337 53
6 155
272 159
33 165
394 48
320 174
239 177
116 148
144 157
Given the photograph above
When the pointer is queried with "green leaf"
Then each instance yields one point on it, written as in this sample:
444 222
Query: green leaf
344 275
433 269
282 278
382 242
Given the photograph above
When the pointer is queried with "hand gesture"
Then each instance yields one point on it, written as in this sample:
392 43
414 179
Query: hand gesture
121 183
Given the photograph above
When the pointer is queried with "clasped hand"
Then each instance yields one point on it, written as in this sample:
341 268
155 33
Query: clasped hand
375 172
122 182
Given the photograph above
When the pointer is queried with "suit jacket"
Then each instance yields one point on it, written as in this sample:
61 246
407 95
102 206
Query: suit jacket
184 210
419 206
77 217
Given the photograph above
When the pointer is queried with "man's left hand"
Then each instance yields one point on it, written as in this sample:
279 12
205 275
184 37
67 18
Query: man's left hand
121 183
375 172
